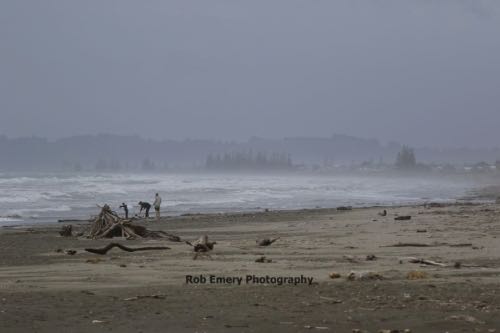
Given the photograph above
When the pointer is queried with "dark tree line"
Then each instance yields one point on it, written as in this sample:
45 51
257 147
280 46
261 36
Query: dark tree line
249 161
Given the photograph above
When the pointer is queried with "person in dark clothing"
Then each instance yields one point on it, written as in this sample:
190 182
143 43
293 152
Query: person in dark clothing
145 206
125 208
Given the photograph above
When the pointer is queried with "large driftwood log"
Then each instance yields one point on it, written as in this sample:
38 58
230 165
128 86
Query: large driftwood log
108 247
266 241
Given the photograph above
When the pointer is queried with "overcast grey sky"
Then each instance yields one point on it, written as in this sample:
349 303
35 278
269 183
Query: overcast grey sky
422 72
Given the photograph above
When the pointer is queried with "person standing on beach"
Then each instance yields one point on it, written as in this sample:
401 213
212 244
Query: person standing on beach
125 208
157 204
145 206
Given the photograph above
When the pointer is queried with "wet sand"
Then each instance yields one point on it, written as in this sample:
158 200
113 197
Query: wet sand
42 290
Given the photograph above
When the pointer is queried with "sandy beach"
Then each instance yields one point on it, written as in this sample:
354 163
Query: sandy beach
43 290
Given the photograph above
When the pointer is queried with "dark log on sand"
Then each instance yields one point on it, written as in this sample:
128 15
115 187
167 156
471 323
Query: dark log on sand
266 241
66 231
402 218
108 247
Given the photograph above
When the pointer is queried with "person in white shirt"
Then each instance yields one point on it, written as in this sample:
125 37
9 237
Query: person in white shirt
157 204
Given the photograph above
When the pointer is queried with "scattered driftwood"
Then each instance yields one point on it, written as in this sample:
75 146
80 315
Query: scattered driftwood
426 262
66 231
108 225
402 218
108 247
362 276
266 241
344 208
159 296
263 259
383 213
409 245
201 245
72 221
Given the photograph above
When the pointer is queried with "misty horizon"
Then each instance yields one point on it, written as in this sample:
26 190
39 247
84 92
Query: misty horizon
242 140
421 73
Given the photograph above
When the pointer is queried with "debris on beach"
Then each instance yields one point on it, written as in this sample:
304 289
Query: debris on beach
263 259
155 296
108 225
409 245
383 213
426 262
108 247
334 275
344 208
266 241
402 218
363 276
371 257
309 327
201 246
66 231
68 252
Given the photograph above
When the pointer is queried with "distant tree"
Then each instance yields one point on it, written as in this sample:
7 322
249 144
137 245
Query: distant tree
249 161
101 165
406 159
148 165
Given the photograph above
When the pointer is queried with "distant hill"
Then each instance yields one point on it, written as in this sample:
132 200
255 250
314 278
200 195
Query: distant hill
114 152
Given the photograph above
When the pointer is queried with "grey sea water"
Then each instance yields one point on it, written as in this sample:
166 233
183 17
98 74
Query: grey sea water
42 198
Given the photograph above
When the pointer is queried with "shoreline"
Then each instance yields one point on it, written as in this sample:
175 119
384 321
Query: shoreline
485 195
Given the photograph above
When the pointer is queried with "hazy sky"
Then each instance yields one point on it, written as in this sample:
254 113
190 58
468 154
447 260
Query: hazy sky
422 72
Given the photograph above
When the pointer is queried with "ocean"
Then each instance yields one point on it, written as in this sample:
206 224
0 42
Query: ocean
48 197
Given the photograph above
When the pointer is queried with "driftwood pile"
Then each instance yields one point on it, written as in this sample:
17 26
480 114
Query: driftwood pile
108 225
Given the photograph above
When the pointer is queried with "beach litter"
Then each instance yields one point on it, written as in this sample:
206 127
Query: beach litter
266 241
66 231
202 246
108 247
263 259
364 276
154 296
